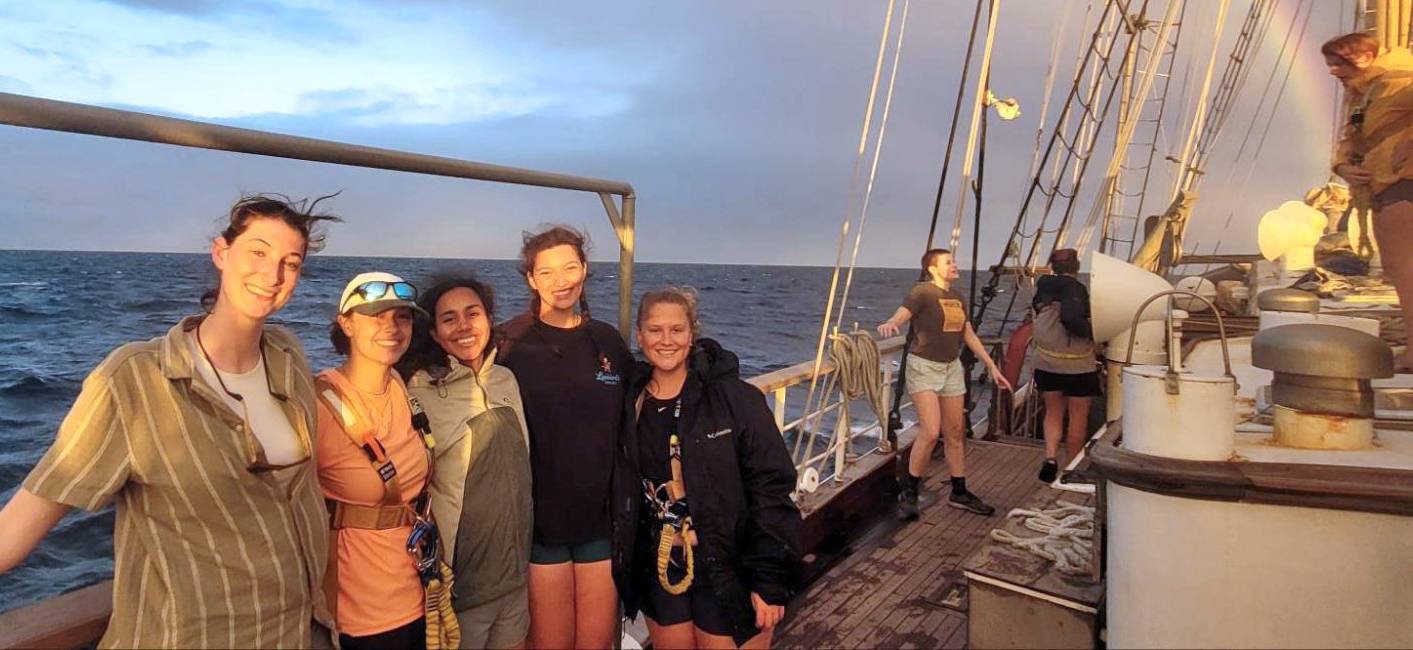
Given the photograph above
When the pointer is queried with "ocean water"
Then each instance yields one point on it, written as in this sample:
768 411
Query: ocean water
62 312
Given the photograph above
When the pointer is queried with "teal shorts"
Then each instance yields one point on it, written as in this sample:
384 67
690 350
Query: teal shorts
595 550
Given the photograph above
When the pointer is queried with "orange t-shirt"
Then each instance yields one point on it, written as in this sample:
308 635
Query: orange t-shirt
379 589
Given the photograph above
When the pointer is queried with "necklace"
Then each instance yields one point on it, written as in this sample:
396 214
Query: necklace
215 371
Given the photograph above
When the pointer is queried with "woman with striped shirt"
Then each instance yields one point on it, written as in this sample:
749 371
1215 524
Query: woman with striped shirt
201 438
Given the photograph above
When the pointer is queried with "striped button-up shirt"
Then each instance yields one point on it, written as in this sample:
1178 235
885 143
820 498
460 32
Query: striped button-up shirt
209 549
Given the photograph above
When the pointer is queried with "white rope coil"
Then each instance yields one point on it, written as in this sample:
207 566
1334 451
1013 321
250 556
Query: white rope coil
1066 536
855 358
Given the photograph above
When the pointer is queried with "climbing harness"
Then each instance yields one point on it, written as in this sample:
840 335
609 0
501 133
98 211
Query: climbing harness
668 502
1066 535
424 543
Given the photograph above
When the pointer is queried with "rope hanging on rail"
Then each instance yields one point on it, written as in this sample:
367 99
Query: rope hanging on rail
855 358
864 131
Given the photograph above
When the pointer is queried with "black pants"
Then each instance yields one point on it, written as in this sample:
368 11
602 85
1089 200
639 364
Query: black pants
412 636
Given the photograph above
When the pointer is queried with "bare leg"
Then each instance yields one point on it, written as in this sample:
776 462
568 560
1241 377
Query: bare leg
929 425
1054 422
595 605
954 435
1076 432
1393 226
552 605
678 636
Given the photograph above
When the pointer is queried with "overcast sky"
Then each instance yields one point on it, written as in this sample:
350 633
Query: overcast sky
736 121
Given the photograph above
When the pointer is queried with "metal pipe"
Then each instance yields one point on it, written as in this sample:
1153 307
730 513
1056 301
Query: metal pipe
52 115
626 245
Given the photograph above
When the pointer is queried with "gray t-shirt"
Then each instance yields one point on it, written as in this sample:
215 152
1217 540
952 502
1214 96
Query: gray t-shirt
939 318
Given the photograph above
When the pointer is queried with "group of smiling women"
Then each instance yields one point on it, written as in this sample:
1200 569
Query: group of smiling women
450 483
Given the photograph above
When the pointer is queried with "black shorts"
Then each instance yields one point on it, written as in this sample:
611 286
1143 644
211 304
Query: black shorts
1399 191
1081 385
698 605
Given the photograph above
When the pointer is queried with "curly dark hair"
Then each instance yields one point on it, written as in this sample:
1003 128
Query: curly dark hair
425 353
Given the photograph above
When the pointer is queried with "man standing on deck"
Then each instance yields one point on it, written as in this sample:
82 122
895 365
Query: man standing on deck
936 381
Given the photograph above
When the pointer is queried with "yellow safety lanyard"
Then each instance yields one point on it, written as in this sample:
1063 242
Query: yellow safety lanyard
672 512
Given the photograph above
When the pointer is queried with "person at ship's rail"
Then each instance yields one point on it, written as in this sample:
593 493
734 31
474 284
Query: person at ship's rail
385 579
480 489
715 557
203 438
1375 152
935 380
572 372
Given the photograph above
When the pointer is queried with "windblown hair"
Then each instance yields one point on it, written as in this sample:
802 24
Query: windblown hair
302 215
686 297
1064 261
547 238
425 353
1349 46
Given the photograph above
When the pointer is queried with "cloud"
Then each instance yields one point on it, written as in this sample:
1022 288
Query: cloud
178 50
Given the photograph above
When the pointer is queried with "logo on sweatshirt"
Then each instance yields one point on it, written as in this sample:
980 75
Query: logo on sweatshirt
606 375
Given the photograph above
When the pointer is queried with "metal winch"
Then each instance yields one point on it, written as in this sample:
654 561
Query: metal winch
1322 396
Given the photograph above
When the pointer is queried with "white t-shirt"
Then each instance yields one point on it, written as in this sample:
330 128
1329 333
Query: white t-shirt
267 422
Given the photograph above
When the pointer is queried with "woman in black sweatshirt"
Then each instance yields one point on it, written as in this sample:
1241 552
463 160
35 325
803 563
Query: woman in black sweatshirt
572 373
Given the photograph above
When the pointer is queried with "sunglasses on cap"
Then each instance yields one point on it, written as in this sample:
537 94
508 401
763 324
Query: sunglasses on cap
378 289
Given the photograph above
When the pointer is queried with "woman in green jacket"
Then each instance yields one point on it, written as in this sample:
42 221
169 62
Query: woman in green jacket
481 480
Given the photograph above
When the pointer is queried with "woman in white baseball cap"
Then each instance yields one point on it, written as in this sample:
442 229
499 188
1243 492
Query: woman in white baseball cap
373 467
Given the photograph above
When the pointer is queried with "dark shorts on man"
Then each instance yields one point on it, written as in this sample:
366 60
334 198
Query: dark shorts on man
698 605
1400 191
596 550
1081 385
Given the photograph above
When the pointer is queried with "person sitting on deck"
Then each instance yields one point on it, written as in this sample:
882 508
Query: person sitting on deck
1063 358
373 466
1375 152
715 556
935 380
481 484
202 438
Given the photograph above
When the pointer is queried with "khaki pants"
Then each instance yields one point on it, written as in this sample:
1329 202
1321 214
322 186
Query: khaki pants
500 623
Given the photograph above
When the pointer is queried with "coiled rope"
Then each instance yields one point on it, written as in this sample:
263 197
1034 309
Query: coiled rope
855 359
1066 536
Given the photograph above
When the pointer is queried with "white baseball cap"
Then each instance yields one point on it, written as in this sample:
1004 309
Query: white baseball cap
376 292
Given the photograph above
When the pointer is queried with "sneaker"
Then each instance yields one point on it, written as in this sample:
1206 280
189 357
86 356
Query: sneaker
970 503
907 503
1049 471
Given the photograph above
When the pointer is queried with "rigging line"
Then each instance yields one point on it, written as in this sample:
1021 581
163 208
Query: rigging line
1157 126
1034 185
1125 135
990 291
983 79
1055 42
873 167
1270 79
1184 173
1222 111
952 130
1280 92
1081 59
848 212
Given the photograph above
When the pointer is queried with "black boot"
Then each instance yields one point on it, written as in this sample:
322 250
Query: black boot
907 497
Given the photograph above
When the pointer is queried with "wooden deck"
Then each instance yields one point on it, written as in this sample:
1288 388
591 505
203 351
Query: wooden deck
888 592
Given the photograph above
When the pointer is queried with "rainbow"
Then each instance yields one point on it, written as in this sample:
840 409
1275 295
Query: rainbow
1311 93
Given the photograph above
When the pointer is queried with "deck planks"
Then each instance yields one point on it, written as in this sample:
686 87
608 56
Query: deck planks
878 596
